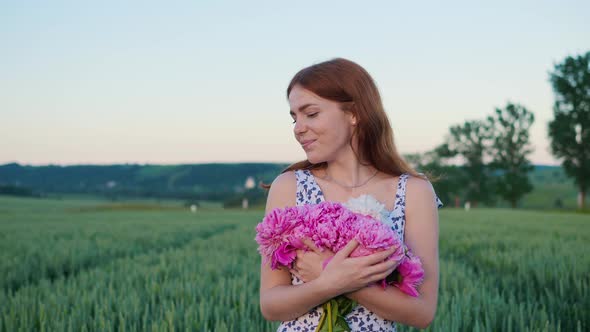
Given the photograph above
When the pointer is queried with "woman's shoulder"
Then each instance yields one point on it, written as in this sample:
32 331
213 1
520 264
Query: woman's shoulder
419 192
419 188
282 191
286 179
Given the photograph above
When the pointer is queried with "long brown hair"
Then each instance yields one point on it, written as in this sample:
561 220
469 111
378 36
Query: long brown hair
349 84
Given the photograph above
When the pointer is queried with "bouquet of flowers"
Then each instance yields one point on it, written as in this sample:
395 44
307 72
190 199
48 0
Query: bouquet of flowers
331 226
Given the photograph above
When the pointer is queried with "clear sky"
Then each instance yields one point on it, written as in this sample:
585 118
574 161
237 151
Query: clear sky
204 81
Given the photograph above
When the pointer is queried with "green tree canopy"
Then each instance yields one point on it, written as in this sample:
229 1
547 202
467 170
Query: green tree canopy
569 131
509 150
470 141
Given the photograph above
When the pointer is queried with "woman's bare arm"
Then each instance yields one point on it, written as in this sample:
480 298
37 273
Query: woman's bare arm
421 236
279 300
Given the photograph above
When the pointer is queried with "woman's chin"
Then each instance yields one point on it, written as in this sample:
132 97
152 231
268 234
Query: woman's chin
314 159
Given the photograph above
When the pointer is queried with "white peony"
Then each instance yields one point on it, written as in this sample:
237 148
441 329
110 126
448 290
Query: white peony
369 206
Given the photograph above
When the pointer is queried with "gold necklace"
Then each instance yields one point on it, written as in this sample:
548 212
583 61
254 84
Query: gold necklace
328 177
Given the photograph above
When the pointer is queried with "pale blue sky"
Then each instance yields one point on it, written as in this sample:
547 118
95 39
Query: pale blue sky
203 81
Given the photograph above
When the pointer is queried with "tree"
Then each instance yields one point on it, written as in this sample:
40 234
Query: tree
470 141
569 131
446 179
509 149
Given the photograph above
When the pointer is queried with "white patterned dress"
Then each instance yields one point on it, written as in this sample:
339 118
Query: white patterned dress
361 318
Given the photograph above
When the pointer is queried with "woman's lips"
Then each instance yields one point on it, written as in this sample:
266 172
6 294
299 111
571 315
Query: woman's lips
306 144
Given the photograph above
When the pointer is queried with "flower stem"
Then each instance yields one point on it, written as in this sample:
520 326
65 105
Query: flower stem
329 316
322 319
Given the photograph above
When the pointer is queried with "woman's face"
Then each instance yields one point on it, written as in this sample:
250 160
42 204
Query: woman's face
321 127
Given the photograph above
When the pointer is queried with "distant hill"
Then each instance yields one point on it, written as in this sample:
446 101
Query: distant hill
203 181
550 185
217 182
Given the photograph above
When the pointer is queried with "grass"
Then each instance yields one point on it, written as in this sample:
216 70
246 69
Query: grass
166 269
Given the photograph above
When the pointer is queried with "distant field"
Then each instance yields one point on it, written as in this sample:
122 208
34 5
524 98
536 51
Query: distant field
89 265
550 184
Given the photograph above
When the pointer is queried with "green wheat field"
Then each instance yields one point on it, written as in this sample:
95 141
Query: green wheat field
89 265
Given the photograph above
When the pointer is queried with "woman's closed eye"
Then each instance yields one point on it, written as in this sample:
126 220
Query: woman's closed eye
311 115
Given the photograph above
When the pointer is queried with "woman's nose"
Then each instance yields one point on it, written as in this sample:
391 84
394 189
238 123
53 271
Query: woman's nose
300 127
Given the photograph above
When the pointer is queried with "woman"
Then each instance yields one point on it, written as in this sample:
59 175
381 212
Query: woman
341 125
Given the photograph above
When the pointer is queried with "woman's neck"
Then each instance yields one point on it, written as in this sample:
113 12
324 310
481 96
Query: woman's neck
349 174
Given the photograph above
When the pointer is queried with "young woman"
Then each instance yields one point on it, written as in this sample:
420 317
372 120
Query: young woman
341 125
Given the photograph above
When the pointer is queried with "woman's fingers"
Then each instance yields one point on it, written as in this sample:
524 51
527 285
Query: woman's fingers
380 268
309 243
360 271
380 276
347 250
377 257
300 253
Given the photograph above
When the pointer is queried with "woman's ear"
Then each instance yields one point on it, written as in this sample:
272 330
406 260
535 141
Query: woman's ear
348 108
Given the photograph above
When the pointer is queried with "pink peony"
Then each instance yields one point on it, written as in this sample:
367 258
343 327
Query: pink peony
411 274
331 226
284 255
277 230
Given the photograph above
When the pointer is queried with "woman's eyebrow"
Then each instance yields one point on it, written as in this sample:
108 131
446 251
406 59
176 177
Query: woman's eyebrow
302 108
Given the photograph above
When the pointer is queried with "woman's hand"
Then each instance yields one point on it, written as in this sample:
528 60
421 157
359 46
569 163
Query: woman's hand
310 263
345 274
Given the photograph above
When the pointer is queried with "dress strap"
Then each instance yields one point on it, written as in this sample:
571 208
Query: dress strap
308 191
400 196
